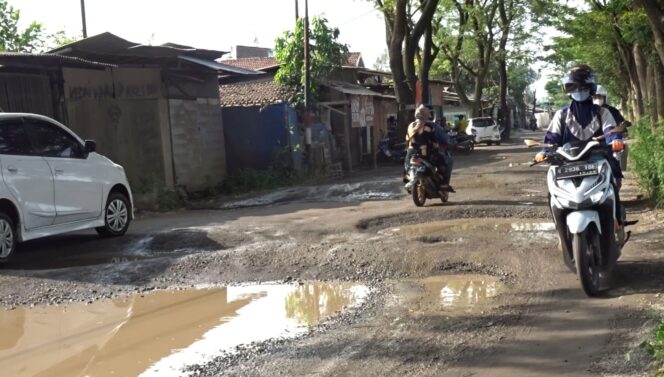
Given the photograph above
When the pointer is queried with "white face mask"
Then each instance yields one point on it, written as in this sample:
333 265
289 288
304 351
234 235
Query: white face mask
598 101
580 95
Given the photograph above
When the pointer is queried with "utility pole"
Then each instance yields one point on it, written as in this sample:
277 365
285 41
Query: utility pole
297 12
85 29
307 87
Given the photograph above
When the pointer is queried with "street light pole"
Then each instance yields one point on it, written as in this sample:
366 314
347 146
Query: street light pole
85 29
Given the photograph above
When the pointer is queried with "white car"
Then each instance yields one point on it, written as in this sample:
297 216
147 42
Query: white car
53 182
485 130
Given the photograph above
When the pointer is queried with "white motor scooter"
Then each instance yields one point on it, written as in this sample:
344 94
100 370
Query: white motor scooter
583 202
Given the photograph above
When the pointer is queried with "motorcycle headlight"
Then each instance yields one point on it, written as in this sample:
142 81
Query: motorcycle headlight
596 197
603 173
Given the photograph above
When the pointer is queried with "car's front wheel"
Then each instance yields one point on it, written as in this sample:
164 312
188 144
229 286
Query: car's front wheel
117 216
8 238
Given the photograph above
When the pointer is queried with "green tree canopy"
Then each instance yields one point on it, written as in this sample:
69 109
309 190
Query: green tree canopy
326 56
31 39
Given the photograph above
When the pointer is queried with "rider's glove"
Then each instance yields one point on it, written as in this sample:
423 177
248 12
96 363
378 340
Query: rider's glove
617 145
540 157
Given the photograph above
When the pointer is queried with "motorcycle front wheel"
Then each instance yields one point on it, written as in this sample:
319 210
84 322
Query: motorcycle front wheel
586 250
419 192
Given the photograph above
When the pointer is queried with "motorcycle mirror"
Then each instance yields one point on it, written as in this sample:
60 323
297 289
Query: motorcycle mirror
620 129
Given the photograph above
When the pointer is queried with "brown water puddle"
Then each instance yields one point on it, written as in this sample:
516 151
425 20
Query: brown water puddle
162 332
462 291
453 294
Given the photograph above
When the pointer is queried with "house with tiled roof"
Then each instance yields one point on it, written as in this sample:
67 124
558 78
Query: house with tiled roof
258 120
255 63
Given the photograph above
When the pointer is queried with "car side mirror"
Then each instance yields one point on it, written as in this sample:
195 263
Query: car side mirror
90 146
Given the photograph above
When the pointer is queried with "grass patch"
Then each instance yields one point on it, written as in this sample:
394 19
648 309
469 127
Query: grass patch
655 348
158 196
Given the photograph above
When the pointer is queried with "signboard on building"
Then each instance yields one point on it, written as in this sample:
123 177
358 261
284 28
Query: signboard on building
362 111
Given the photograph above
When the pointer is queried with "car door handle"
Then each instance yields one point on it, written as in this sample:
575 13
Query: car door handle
12 169
58 171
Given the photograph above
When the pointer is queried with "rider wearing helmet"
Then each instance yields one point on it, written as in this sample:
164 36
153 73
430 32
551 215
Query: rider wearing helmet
426 137
601 98
583 120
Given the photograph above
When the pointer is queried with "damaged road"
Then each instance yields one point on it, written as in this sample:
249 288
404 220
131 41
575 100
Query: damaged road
360 282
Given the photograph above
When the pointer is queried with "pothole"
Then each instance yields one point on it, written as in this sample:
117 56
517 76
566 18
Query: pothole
438 239
162 332
532 212
456 230
179 240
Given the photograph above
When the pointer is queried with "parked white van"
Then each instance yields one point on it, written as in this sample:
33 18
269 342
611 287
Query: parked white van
53 182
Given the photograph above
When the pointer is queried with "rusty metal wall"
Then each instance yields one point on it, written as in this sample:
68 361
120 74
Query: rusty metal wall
197 135
26 93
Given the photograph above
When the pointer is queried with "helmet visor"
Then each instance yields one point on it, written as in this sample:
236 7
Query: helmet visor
575 86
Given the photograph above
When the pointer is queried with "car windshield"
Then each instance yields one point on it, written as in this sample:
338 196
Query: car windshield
482 122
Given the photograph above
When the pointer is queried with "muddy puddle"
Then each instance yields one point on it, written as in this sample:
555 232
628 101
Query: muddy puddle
454 294
455 231
160 333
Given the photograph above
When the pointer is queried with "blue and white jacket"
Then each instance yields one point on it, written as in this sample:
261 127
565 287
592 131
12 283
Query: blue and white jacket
568 130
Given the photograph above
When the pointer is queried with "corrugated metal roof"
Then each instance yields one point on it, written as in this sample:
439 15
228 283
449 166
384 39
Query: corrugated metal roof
218 66
348 88
14 59
110 44
104 42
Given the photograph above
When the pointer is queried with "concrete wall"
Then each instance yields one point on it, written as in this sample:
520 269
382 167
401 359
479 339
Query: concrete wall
164 127
124 111
198 142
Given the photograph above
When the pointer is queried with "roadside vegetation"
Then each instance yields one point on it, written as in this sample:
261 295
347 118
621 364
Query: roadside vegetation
655 348
648 157
250 180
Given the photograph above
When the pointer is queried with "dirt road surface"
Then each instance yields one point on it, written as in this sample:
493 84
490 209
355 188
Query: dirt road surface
473 287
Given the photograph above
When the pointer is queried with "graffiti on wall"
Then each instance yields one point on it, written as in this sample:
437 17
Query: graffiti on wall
118 90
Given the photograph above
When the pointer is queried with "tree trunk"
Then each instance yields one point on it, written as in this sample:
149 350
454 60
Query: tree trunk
409 63
642 70
501 57
656 20
625 108
629 66
396 32
428 55
504 110
659 90
649 85
402 47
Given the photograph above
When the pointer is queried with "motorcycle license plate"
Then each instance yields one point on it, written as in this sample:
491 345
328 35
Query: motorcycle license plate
576 170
